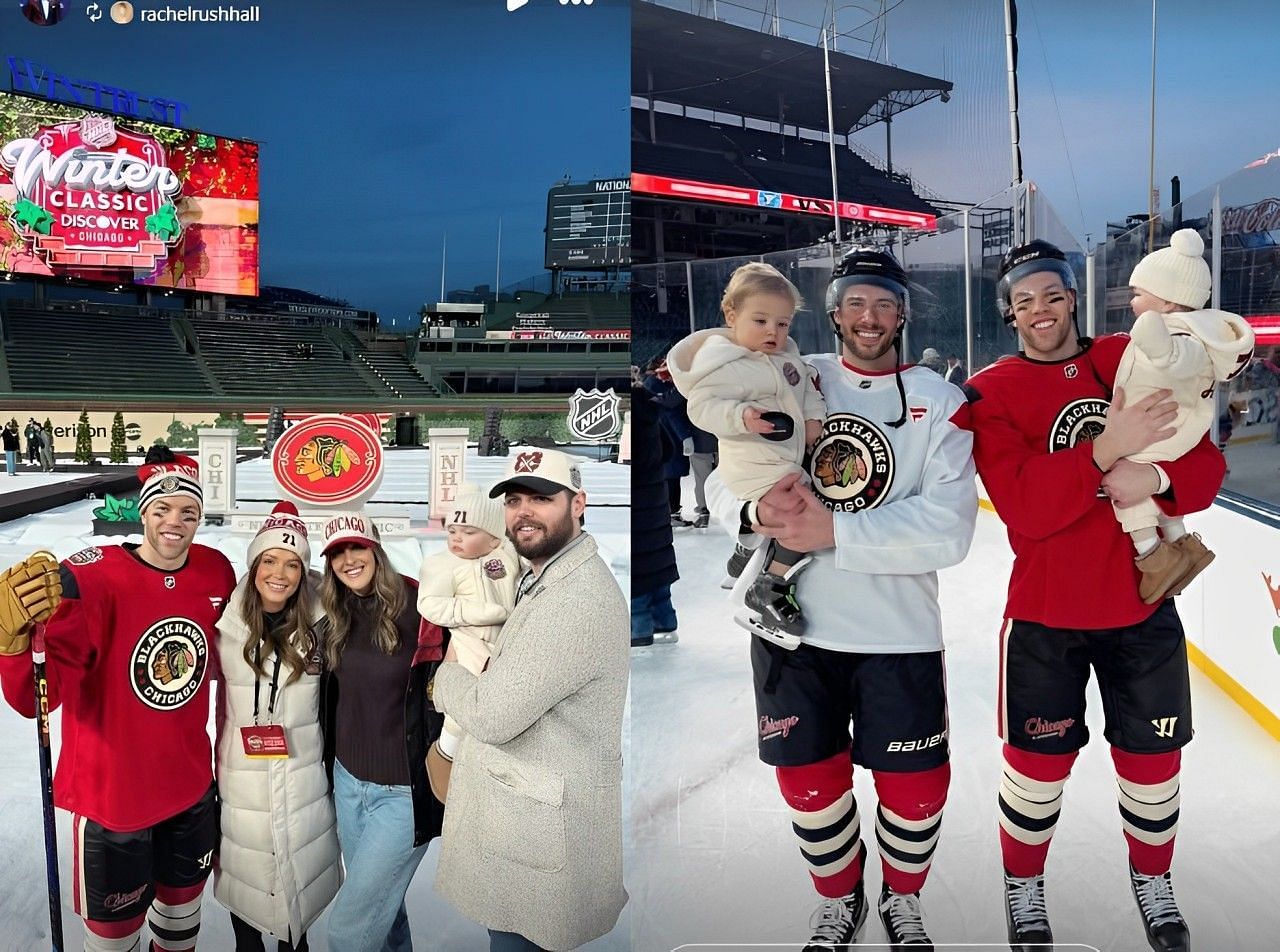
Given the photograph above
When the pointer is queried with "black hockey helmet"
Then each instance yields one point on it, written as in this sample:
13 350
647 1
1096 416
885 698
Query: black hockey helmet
1028 259
881 269
866 266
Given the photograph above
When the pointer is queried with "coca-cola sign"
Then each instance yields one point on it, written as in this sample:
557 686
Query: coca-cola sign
91 195
1252 219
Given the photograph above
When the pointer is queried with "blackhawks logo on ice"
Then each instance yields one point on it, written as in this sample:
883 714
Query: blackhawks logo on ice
852 464
1079 420
168 663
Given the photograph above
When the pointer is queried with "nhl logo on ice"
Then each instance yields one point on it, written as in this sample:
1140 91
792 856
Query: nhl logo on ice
168 663
1079 420
852 464
594 414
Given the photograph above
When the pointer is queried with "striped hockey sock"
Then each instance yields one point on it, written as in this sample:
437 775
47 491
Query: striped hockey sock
908 819
1149 795
112 936
1030 801
824 815
174 918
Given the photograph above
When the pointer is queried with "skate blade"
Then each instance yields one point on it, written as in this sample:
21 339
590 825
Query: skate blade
728 582
752 623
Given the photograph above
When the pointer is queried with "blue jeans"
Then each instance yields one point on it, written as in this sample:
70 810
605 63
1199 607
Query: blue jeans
375 829
652 612
510 942
11 461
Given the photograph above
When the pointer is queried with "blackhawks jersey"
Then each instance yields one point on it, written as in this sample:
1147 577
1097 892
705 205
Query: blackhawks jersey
1034 423
904 501
129 652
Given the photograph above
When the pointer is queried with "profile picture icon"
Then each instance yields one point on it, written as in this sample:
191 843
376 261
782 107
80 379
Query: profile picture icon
122 11
44 12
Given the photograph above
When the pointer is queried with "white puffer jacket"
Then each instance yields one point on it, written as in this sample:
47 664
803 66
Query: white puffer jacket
278 863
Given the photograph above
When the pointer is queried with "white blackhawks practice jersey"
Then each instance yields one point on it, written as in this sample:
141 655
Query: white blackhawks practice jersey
904 501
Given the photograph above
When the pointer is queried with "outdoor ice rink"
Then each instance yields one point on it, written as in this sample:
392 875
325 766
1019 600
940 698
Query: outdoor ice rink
710 856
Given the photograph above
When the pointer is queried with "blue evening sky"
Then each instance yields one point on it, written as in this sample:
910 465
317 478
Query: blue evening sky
1084 79
383 125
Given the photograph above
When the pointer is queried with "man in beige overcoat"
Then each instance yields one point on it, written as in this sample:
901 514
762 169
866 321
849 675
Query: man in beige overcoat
532 842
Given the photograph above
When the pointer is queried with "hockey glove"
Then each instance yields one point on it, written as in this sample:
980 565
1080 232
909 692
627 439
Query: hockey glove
29 592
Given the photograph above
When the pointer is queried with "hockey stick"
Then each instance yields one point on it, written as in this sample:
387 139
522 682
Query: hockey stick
46 790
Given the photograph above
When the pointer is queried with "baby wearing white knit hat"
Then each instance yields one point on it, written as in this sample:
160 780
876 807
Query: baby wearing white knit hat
469 588
1175 344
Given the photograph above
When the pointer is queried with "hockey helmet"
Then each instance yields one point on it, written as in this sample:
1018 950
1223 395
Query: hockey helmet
866 266
1028 259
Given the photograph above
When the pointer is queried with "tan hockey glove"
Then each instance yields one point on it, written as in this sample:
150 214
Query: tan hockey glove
29 592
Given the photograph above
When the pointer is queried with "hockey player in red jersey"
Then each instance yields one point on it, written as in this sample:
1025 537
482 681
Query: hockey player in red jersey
1050 439
129 649
891 500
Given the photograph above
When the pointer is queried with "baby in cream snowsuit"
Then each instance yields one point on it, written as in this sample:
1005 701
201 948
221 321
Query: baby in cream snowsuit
469 588
1175 345
747 384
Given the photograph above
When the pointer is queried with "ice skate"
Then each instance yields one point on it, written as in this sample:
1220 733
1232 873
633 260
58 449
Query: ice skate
772 611
837 922
737 562
1166 929
903 923
1026 914
703 519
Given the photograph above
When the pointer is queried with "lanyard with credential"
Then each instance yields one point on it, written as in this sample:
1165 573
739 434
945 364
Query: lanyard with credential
264 741
257 683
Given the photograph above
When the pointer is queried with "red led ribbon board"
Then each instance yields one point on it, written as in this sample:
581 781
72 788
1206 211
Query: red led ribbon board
776 201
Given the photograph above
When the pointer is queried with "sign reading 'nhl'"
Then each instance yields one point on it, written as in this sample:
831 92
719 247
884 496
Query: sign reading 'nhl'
595 415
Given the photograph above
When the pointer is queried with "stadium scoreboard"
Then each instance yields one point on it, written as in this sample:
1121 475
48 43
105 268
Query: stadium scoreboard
589 225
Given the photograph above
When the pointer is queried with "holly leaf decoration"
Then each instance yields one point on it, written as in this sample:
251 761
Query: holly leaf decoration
118 510
164 223
32 216
206 142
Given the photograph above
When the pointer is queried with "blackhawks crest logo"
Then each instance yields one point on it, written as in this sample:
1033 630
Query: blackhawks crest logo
328 460
851 468
1082 419
168 663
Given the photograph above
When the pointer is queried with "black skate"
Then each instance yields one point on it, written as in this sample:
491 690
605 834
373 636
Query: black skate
903 924
703 519
737 562
678 521
772 611
1026 913
837 922
1166 929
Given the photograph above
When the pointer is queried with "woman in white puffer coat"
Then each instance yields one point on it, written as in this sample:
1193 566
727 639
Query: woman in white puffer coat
277 867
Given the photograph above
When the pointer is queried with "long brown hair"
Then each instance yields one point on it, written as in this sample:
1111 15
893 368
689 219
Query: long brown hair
292 638
388 589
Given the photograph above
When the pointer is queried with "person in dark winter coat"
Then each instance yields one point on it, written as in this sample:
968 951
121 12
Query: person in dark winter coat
653 567
674 419
11 446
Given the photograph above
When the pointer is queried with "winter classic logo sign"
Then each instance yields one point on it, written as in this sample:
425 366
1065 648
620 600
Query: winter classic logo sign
168 663
852 464
594 414
91 195
328 460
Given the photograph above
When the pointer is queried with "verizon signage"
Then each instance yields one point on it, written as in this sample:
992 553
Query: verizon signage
781 201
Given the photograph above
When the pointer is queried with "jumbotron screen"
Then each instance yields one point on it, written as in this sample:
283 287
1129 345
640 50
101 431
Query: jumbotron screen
589 226
90 195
